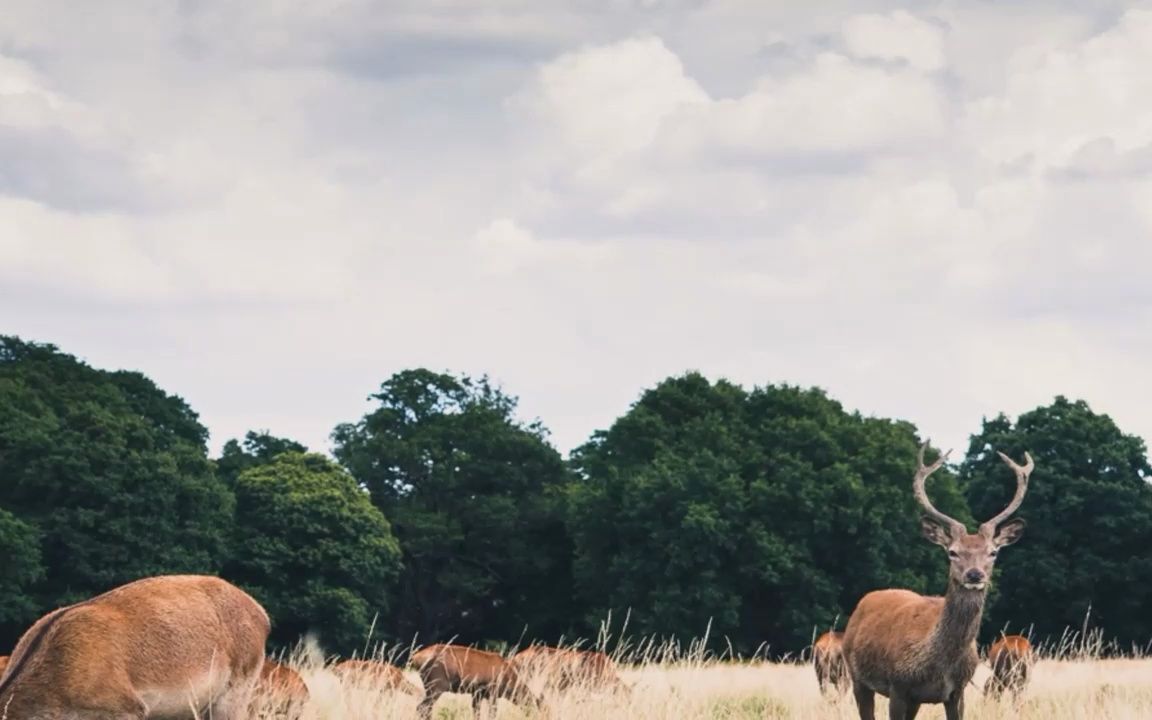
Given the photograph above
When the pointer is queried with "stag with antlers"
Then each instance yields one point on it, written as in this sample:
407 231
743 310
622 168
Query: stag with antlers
915 649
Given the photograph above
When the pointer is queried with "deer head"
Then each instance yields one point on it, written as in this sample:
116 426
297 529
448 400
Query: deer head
971 556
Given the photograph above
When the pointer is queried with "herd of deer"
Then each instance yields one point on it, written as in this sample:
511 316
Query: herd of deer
188 645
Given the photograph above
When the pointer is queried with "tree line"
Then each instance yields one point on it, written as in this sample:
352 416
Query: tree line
754 514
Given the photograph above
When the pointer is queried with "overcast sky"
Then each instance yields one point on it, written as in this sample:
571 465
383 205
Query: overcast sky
935 211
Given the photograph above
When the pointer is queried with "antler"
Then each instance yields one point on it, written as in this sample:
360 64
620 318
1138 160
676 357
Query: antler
1022 474
922 497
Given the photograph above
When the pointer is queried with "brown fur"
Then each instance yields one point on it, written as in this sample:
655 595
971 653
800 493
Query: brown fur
282 686
455 668
370 673
3 664
156 647
828 659
566 668
916 649
1011 660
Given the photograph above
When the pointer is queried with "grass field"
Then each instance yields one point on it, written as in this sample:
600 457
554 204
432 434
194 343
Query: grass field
1061 689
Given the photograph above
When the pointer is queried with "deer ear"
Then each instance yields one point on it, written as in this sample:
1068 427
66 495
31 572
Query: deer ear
934 532
1009 532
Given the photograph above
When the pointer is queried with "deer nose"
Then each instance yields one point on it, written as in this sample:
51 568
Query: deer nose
974 576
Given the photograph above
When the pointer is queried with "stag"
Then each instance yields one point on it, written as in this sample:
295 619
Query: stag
828 659
370 673
456 668
175 646
1011 660
915 649
565 668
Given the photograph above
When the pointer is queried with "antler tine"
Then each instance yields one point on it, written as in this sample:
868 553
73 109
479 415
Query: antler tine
922 474
1022 474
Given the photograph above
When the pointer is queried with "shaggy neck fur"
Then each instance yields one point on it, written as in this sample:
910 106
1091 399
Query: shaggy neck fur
959 623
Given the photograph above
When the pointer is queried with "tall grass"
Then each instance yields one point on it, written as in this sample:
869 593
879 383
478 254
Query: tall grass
1072 679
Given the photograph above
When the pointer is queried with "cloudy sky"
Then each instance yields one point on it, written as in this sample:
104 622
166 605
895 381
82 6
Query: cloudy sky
935 211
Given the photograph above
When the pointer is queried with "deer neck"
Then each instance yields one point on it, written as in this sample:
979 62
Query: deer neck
959 622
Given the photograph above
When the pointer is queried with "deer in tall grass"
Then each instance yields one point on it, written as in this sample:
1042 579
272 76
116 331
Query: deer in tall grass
828 659
486 675
176 646
916 649
1011 660
570 668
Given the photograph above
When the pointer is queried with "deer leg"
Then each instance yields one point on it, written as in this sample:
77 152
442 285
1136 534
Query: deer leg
954 706
424 709
865 702
897 707
911 710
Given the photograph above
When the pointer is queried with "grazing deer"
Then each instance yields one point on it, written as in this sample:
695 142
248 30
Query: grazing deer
1011 661
168 646
828 659
916 649
565 668
370 673
455 668
280 687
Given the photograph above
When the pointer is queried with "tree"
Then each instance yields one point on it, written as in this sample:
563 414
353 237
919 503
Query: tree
259 448
1089 514
766 512
20 548
110 472
313 549
474 496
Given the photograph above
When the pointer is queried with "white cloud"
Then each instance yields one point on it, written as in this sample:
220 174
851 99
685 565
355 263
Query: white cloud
933 216
897 36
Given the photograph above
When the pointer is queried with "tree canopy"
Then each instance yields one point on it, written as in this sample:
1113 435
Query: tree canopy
475 498
768 512
312 548
108 471
1089 515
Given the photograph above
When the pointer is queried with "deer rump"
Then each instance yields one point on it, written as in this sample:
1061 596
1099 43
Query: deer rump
1011 660
167 646
565 669
373 674
828 660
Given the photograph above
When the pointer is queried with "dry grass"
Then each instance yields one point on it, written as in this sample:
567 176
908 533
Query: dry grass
1065 685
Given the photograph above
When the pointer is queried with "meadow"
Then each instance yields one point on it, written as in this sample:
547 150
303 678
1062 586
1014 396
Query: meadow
1066 684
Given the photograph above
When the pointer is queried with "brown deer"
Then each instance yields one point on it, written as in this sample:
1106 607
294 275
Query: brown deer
915 649
828 659
168 646
280 688
370 673
566 668
486 675
1011 660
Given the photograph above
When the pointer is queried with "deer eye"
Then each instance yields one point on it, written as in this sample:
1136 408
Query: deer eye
993 553
953 554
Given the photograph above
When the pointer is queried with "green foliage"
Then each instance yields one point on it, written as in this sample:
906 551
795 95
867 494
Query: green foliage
20 548
475 498
313 549
1089 514
257 449
766 512
110 471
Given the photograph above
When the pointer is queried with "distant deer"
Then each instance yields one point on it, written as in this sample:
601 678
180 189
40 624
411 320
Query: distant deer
567 668
373 674
280 688
828 659
456 668
1011 660
169 646
916 649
